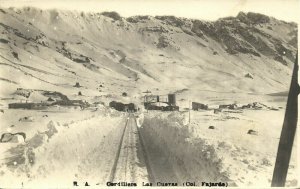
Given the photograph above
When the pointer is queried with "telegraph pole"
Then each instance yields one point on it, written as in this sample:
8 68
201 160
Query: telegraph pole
287 133
145 99
189 112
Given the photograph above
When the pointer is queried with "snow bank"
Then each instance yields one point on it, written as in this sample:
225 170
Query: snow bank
140 119
80 151
190 159
225 153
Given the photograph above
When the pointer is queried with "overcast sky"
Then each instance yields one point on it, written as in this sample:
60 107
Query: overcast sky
201 9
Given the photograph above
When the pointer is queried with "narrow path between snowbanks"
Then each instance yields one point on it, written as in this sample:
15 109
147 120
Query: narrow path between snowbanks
130 165
174 157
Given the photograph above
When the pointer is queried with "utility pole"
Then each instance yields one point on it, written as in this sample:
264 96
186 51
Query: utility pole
145 99
189 112
145 102
287 133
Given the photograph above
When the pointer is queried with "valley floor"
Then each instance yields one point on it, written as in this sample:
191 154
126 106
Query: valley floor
66 144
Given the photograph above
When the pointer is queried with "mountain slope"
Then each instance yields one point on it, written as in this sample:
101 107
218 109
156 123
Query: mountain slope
54 49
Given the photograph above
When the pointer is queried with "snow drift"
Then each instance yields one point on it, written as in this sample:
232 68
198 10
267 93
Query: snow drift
81 150
184 159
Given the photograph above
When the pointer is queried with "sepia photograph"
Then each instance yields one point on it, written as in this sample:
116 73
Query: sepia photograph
149 93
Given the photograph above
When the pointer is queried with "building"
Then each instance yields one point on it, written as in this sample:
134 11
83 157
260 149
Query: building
198 106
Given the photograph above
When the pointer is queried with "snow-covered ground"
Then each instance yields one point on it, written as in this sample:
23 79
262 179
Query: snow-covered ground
226 153
79 146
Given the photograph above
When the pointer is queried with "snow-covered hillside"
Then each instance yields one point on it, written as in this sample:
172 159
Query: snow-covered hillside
54 49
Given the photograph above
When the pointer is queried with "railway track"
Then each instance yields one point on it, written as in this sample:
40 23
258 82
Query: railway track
131 161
